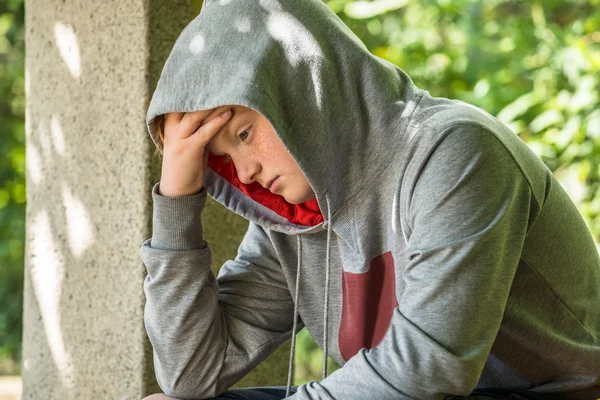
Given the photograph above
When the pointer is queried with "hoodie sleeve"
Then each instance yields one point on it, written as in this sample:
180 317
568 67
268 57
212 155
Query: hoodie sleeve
207 332
467 218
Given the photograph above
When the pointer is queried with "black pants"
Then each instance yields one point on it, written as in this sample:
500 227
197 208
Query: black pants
498 393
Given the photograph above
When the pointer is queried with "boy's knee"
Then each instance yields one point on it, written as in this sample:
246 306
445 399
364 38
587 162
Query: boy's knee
158 396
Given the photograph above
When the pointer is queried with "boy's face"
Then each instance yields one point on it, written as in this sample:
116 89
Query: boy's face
259 155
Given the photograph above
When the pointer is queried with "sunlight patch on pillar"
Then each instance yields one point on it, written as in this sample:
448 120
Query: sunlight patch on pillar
58 139
47 274
79 226
66 41
33 162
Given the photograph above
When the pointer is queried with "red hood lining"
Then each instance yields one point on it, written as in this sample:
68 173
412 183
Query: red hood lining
307 213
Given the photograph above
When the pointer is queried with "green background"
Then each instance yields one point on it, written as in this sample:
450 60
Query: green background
535 65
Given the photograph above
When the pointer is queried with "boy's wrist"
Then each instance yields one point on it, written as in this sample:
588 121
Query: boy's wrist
176 223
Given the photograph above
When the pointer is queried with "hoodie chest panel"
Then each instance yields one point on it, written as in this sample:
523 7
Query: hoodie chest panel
362 295
370 293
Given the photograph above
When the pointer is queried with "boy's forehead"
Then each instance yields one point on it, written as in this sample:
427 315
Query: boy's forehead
215 145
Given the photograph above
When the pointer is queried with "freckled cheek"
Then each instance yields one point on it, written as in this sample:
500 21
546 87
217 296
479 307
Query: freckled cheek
267 152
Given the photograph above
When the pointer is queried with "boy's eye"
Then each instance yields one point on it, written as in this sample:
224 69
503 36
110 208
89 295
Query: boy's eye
242 133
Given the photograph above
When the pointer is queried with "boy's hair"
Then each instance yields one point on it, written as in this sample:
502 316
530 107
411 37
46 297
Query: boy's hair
159 122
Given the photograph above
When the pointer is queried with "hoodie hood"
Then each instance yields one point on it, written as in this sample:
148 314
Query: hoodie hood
302 68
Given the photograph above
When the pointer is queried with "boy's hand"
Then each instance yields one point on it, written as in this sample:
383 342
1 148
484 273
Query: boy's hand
185 138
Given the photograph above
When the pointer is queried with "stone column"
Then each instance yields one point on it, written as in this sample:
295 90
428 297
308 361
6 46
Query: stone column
91 68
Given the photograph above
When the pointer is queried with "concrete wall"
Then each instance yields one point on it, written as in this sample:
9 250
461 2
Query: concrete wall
91 68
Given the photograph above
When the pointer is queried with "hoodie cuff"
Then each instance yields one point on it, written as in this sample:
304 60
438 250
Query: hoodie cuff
176 223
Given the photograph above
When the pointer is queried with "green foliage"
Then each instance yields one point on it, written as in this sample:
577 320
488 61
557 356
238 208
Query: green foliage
12 183
308 361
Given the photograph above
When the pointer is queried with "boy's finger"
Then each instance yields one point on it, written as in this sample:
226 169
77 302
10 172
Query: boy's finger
192 120
215 112
174 117
170 121
208 130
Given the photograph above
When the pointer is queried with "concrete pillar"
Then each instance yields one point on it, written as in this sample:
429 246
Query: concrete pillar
91 68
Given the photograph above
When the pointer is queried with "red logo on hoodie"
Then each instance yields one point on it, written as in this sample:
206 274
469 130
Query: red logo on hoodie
368 301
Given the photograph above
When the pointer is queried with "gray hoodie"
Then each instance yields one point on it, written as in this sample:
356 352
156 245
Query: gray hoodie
440 255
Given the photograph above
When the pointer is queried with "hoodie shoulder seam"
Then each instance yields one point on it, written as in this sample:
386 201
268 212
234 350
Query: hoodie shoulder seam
458 123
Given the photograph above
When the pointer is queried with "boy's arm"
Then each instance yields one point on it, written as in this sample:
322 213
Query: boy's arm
469 215
207 333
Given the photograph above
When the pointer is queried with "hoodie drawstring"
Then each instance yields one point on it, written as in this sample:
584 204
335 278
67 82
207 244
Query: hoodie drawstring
325 307
292 350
